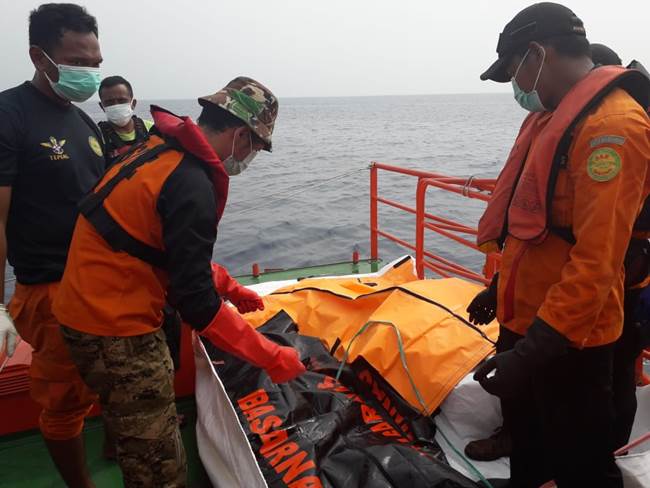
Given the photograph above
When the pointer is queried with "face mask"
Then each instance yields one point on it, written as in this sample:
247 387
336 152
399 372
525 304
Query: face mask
529 101
76 83
119 115
234 166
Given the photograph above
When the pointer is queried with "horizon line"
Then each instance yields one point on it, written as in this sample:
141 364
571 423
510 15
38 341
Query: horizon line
358 96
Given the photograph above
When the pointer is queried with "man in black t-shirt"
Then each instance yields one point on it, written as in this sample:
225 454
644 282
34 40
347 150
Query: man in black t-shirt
50 156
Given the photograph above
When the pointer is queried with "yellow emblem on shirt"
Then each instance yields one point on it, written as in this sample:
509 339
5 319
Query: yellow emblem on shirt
95 146
603 164
58 153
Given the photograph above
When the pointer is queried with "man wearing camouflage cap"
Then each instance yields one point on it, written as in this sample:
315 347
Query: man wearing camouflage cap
145 235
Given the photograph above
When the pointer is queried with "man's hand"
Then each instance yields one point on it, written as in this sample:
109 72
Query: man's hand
483 309
241 297
245 300
510 373
513 368
8 332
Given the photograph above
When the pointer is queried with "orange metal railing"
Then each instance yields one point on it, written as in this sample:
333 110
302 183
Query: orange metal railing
460 233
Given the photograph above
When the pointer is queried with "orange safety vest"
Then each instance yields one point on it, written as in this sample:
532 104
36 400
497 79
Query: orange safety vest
521 202
115 281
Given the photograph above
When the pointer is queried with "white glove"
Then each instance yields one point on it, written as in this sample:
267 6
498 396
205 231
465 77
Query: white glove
8 332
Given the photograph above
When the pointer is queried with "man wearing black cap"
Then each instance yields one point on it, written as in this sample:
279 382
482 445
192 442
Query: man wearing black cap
562 214
631 343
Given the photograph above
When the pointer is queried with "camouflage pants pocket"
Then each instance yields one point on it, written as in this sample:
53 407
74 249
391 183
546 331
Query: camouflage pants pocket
134 379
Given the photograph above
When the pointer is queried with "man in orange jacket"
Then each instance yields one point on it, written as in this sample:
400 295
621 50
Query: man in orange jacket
145 236
562 213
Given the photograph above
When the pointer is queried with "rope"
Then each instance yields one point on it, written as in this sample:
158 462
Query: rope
282 195
467 184
416 390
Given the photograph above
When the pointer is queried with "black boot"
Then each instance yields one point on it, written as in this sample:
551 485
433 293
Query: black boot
496 446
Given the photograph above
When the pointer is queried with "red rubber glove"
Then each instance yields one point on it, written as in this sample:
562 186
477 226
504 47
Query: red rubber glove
241 297
231 333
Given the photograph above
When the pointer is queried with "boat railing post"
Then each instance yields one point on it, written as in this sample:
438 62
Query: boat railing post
419 226
374 251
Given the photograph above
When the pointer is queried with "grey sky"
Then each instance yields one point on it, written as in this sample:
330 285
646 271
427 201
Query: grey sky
182 49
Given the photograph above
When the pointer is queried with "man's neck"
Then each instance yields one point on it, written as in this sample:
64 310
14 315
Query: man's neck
130 127
576 72
42 85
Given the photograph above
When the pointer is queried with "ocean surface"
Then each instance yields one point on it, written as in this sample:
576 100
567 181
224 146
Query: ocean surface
308 202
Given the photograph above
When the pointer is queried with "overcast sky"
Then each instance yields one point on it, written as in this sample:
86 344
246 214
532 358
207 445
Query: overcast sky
182 49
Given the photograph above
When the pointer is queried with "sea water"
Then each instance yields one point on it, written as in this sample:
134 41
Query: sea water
307 202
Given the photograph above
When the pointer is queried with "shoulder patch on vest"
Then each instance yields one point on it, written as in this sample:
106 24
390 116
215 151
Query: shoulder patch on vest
95 146
599 141
603 164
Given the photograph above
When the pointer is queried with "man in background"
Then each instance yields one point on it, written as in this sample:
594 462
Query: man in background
122 129
630 344
50 157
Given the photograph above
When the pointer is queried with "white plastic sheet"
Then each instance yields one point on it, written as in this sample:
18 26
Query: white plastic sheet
636 465
223 447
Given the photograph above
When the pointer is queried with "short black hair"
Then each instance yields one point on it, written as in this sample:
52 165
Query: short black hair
571 46
48 23
218 119
111 81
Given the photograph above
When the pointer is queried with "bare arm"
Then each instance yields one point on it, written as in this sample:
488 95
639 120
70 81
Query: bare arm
5 202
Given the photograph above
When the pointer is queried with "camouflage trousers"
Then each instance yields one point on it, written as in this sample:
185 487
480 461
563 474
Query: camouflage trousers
133 377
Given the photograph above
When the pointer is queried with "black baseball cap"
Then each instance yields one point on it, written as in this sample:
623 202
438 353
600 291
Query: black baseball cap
535 23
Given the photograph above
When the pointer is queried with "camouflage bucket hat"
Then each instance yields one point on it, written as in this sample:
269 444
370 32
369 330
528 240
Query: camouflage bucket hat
250 101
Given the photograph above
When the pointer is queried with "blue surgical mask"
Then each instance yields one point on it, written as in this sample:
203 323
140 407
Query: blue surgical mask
529 100
76 83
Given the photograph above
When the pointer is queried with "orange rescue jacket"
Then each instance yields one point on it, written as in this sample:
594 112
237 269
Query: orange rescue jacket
149 239
565 205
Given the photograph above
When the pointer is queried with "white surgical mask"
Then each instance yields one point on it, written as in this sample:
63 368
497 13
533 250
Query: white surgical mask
119 115
529 100
234 166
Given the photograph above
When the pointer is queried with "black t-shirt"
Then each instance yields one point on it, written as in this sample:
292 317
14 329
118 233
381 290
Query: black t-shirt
51 156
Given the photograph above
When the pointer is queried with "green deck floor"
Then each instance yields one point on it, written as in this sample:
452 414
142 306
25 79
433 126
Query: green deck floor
25 463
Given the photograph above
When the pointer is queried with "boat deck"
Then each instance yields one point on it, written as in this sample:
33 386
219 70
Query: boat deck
25 463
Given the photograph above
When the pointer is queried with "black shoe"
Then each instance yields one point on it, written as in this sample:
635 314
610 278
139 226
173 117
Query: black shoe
496 446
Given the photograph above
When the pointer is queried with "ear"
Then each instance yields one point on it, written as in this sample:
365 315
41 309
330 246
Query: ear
537 51
40 62
243 133
134 102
